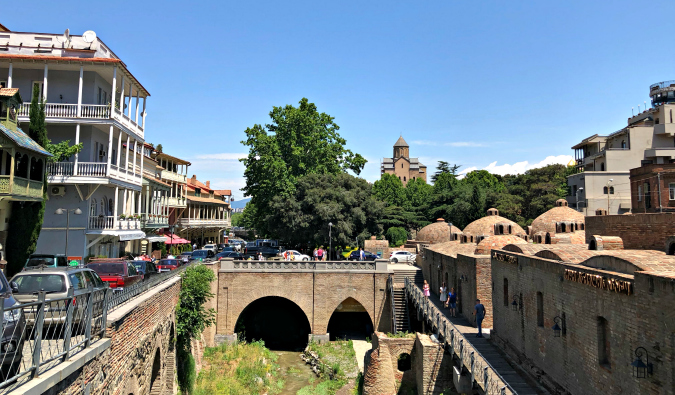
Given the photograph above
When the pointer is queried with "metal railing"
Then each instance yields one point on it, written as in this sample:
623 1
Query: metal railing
487 377
661 85
38 336
390 285
303 265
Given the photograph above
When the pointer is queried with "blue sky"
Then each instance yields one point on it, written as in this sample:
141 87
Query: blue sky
491 84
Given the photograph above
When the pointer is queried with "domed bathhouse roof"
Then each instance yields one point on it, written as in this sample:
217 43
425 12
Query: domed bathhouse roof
438 232
492 225
559 219
496 243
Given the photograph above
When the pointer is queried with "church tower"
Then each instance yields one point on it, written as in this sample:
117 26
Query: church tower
401 149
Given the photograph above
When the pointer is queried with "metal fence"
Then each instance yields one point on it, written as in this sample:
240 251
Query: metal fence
457 344
37 336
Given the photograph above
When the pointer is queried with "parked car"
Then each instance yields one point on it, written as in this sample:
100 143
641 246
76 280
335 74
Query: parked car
347 252
294 255
203 255
55 283
14 323
167 265
146 269
119 274
402 256
229 254
46 260
267 252
222 246
211 247
369 256
185 257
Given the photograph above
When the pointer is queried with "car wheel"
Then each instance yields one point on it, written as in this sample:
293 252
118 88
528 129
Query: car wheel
394 260
305 259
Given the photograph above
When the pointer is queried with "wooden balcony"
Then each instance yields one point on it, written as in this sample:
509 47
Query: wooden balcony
20 188
204 222
177 202
171 176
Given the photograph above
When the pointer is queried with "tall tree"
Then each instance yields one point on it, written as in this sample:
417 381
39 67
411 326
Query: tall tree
444 168
298 141
26 219
390 190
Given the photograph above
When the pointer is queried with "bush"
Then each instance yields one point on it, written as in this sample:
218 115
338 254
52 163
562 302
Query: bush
396 236
185 364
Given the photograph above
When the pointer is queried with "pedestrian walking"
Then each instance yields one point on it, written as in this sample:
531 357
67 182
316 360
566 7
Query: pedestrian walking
444 294
315 254
362 255
339 254
452 302
479 312
426 290
319 253
194 246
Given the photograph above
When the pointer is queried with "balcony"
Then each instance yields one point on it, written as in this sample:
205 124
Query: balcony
203 223
154 221
177 202
171 176
61 111
20 188
110 223
62 172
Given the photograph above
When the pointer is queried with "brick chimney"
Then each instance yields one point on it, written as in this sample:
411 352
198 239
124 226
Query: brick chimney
208 184
193 180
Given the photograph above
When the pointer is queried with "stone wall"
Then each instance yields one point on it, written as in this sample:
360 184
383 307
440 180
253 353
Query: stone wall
638 231
571 363
396 348
433 366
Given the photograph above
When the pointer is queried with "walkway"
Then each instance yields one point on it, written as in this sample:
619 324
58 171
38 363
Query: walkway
492 383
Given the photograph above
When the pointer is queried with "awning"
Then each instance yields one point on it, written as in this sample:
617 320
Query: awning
155 239
124 236
624 206
175 240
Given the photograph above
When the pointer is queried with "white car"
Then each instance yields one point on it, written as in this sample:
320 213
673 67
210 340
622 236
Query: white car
297 256
402 256
212 247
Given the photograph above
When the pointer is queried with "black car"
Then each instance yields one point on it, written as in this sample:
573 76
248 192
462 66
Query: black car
368 256
267 252
146 269
230 254
221 247
202 255
14 324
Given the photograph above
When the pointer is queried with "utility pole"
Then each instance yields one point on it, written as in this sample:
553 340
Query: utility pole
608 190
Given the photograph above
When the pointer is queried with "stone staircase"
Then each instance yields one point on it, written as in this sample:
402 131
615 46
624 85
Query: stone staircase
401 310
165 387
413 273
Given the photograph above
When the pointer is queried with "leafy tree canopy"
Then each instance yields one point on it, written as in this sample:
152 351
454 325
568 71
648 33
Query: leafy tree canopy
389 189
444 168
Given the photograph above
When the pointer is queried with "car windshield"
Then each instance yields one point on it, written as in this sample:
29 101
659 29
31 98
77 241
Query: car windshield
40 282
139 265
199 254
107 268
164 262
41 260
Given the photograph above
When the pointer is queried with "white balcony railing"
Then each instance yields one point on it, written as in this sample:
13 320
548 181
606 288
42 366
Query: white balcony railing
171 176
177 202
87 111
204 222
155 220
102 222
60 168
92 169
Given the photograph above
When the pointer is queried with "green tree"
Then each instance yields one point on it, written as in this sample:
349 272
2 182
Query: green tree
390 190
298 141
62 151
342 199
484 180
237 219
26 219
417 193
444 168
396 236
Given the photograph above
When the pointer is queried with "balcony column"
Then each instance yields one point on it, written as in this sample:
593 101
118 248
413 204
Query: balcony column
142 160
79 93
9 76
126 161
135 155
140 200
12 165
131 90
44 85
144 112
114 93
122 101
138 101
77 141
124 203
119 148
117 194
110 140
148 208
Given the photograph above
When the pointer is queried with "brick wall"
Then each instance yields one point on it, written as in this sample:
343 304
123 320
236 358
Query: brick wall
397 347
649 174
570 363
433 366
638 231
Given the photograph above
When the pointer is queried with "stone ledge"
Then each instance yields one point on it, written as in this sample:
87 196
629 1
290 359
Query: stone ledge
60 372
127 307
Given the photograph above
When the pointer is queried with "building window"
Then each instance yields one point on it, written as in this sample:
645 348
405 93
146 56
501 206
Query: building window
506 292
540 309
611 190
401 165
605 190
602 167
671 191
648 200
623 144
603 342
403 178
639 193
198 192
92 208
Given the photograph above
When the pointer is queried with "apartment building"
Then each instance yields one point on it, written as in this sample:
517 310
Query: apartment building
602 179
208 213
91 99
173 172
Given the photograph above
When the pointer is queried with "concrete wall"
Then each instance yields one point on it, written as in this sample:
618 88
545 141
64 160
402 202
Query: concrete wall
638 231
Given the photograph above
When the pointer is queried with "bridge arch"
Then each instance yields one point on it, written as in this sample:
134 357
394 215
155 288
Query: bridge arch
279 322
349 319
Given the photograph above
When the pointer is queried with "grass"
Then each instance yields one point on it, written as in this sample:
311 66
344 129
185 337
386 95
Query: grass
337 357
239 369
401 335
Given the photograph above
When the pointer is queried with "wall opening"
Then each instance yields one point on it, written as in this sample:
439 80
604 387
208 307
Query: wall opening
404 362
506 292
671 249
593 245
280 323
540 309
350 320
548 239
603 342
156 367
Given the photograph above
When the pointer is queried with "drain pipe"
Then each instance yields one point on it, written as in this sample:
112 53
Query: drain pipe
658 175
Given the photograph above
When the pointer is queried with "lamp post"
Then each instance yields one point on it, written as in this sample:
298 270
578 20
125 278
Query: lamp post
641 369
60 211
578 190
330 240
608 186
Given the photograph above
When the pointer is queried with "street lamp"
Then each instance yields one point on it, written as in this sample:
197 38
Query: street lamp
330 240
642 370
557 328
578 190
60 211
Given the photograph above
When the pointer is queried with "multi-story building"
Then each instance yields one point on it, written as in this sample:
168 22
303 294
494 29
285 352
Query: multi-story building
604 162
653 188
402 165
91 99
208 213
174 174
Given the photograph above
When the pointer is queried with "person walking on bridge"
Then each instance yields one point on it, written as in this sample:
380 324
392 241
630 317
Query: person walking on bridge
426 290
479 312
452 302
444 294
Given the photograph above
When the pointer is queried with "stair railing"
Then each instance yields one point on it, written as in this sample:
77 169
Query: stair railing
390 285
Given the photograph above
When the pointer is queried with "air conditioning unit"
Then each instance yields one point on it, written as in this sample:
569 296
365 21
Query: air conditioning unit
58 191
101 153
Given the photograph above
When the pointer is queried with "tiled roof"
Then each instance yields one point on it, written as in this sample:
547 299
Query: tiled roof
205 200
438 232
22 140
8 92
223 192
452 248
496 243
401 143
642 260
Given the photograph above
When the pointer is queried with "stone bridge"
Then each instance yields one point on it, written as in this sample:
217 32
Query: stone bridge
327 295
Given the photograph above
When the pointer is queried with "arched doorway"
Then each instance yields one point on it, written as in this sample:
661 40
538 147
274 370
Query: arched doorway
280 323
547 240
156 367
350 320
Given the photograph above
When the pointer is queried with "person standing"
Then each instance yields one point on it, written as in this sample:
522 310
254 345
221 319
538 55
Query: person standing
444 294
320 253
426 289
338 257
479 312
452 302
315 254
194 246
362 255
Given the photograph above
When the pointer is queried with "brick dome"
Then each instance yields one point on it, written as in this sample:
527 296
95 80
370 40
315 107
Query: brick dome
496 243
486 226
546 222
438 232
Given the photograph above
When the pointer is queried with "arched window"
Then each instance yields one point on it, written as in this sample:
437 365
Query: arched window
611 190
21 169
506 292
605 190
110 207
93 207
401 165
404 178
102 209
623 144
602 167
36 169
563 227
404 362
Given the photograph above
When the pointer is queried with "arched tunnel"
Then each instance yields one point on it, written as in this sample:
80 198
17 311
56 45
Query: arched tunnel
350 320
280 323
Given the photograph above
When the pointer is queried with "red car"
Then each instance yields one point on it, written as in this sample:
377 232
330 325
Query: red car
167 265
117 273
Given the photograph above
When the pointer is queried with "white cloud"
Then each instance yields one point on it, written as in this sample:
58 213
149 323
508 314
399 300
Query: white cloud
520 167
223 156
449 144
